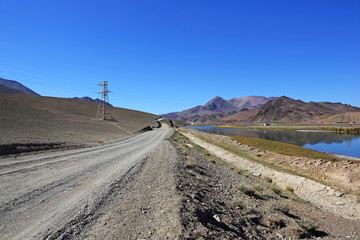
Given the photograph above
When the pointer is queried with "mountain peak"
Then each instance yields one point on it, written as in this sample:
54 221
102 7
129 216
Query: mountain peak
216 99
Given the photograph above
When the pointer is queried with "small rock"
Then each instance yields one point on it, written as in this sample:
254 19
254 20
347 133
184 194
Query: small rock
217 218
318 163
340 203
338 194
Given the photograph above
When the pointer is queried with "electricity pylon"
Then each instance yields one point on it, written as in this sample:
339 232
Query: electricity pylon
103 107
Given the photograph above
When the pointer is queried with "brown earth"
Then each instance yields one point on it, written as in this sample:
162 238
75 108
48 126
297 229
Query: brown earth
176 191
220 201
34 122
343 175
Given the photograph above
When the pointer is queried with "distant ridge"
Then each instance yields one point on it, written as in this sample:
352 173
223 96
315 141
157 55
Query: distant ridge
89 99
258 109
14 87
285 109
218 108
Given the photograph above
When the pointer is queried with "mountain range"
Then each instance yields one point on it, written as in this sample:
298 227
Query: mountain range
14 87
218 108
89 99
250 109
259 109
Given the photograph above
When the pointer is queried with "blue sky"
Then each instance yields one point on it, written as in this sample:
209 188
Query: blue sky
163 56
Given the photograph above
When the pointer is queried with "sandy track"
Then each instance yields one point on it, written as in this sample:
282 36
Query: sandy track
41 195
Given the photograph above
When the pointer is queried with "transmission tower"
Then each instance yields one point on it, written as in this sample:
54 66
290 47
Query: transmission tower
103 107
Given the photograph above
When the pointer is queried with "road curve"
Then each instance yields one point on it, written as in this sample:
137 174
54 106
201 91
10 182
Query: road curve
40 195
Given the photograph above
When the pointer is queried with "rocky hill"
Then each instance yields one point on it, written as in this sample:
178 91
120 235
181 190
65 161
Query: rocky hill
217 109
249 101
258 109
89 99
14 87
286 109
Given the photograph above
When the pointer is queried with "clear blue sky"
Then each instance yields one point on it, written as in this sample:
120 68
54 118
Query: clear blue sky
163 56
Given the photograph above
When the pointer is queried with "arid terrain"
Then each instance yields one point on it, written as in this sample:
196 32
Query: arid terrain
260 110
138 178
30 123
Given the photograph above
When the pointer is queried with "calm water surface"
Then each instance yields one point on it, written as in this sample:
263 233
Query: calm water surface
345 144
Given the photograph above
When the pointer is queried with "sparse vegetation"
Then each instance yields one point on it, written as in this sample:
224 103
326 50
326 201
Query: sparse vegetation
289 189
307 225
280 206
283 148
246 190
268 179
274 223
99 141
259 188
190 162
276 189
239 203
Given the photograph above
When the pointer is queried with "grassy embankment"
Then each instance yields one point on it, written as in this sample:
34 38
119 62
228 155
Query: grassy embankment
277 147
283 148
349 130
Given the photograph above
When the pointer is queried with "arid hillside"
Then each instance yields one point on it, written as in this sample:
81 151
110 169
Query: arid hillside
26 120
285 109
218 110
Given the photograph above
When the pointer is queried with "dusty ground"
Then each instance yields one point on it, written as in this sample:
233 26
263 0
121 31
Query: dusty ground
176 191
29 123
54 195
215 208
147 186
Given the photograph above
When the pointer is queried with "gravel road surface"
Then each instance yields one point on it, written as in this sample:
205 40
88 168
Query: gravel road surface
42 195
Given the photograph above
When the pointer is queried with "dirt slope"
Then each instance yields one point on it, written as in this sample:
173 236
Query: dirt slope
32 119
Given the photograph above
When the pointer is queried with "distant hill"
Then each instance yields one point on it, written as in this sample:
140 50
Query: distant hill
14 87
218 108
285 109
5 89
89 99
258 109
29 119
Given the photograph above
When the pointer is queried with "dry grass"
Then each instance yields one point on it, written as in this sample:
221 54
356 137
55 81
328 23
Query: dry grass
276 189
280 206
289 189
246 190
307 225
283 148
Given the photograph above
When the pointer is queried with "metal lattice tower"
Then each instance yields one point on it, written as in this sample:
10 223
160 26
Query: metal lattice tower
103 108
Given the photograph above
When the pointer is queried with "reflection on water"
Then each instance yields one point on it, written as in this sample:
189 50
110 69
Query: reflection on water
345 144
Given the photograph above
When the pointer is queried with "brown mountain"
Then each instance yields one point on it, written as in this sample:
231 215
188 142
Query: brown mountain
249 101
14 87
218 108
5 89
214 109
286 109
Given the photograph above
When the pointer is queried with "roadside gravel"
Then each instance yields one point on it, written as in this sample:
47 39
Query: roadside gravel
321 195
55 195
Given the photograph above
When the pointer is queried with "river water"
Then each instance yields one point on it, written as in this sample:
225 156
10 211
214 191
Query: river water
330 142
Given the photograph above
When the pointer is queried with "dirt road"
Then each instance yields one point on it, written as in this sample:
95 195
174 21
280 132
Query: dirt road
42 195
